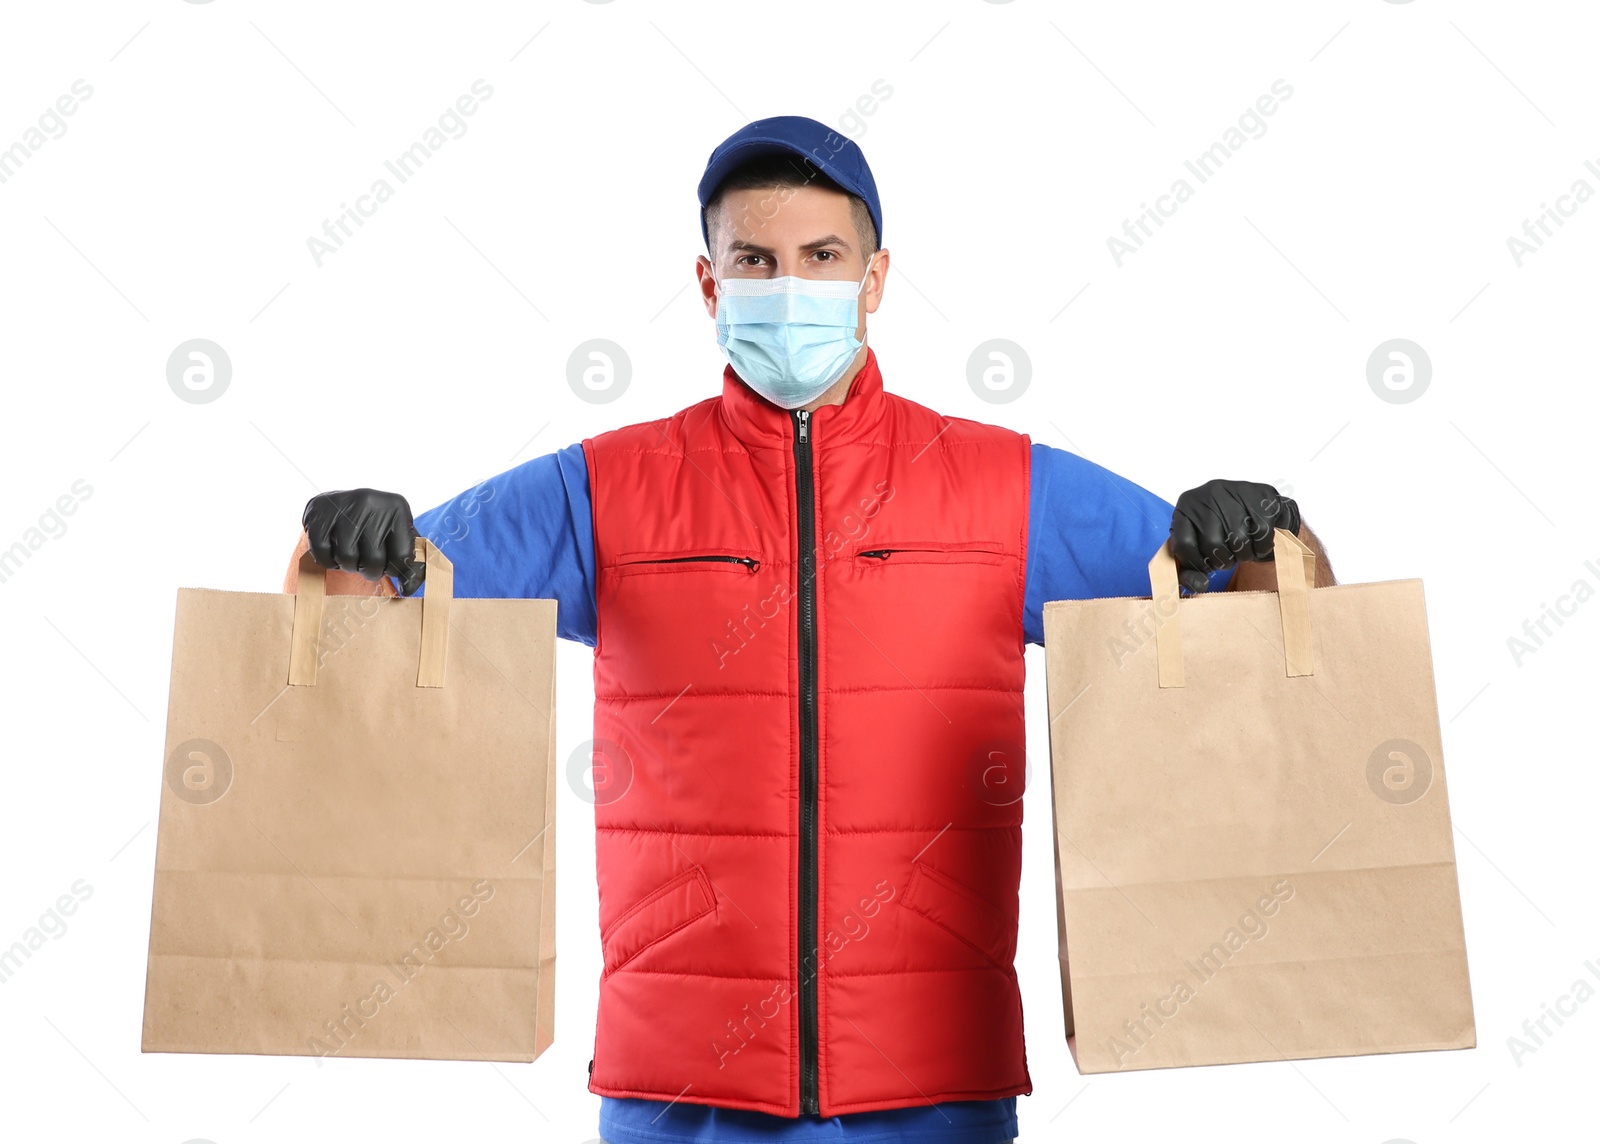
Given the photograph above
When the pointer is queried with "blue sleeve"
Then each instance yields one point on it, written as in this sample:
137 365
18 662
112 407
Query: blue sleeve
525 534
1091 533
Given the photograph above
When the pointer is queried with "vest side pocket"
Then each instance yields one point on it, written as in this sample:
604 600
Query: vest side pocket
684 898
963 913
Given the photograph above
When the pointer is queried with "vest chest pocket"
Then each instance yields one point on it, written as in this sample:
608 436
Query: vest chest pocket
634 563
932 613
962 913
684 898
686 615
895 554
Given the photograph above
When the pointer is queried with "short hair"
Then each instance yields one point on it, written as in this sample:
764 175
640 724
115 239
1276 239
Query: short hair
789 171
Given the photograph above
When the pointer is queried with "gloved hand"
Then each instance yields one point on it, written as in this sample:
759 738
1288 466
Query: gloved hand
365 531
1222 522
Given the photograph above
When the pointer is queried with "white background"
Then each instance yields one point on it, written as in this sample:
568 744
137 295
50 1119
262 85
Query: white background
431 351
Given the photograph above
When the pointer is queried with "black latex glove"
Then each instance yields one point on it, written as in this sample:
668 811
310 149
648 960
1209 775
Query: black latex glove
365 531
1222 522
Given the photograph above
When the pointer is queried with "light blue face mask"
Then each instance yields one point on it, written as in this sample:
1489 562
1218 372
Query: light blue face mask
789 338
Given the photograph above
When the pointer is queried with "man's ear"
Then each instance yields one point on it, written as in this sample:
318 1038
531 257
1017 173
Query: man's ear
876 280
706 278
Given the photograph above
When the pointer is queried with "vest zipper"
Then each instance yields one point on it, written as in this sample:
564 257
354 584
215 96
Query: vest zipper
748 561
885 553
807 619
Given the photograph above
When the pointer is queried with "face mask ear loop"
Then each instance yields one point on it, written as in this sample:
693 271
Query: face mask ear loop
867 333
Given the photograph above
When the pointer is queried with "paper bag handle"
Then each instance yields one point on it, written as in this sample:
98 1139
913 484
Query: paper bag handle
311 589
1296 565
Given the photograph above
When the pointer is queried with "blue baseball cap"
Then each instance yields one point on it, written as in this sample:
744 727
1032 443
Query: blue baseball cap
831 153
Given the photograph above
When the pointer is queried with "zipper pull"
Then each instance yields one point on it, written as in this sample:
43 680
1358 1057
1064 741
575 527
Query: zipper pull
803 420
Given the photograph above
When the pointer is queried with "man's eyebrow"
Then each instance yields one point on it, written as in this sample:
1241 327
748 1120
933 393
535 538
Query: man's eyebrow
826 240
738 244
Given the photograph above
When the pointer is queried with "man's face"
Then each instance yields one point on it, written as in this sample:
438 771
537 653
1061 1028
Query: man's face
775 232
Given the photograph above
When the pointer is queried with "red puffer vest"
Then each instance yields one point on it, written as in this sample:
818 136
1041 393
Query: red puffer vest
808 700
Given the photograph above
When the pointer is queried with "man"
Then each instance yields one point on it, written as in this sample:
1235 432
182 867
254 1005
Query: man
808 600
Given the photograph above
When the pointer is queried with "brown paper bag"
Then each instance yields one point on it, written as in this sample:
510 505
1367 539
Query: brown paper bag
356 851
1253 850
